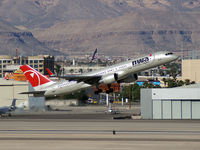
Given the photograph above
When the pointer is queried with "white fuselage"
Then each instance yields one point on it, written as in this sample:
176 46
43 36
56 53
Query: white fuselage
123 69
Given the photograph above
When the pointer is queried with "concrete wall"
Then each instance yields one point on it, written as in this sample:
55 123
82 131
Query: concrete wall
62 102
36 103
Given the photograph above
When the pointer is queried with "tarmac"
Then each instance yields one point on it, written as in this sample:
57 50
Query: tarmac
95 131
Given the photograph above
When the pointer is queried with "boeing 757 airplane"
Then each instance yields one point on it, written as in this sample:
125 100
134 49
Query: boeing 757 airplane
124 72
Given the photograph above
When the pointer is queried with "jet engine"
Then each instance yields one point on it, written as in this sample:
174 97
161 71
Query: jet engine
130 78
108 79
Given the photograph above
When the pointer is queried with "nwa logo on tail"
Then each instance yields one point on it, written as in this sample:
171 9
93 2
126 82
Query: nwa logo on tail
140 61
33 76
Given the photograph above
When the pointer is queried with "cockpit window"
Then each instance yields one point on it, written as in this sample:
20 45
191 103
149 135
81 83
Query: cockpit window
170 53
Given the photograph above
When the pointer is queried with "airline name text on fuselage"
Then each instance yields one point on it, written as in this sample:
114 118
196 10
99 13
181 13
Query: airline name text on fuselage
111 70
67 83
141 60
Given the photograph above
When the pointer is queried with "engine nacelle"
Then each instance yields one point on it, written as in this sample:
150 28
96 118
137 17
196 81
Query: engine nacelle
108 79
129 79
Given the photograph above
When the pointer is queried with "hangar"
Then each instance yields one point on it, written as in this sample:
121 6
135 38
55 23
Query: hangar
10 89
171 103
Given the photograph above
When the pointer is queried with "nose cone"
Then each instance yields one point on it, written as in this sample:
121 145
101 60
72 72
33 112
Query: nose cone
174 57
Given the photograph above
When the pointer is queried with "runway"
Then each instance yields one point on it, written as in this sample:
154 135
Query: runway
97 133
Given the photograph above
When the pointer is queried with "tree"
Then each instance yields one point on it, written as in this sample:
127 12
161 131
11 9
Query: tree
63 71
125 92
58 70
165 81
136 91
71 71
180 83
175 83
89 69
161 72
80 70
174 70
187 81
171 83
147 85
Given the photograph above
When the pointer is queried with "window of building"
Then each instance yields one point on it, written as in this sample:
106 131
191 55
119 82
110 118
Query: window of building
35 61
9 61
40 66
40 61
31 61
0 61
41 70
4 61
4 66
35 66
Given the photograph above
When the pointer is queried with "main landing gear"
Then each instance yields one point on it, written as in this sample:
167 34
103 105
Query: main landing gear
106 89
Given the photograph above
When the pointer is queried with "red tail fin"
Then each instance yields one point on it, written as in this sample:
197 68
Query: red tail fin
33 76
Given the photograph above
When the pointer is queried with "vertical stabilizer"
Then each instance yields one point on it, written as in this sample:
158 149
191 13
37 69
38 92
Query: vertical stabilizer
37 80
13 104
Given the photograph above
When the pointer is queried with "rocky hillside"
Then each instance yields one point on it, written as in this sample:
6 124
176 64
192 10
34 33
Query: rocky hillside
45 13
130 34
12 38
116 27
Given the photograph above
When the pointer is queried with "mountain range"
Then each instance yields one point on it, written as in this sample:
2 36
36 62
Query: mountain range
115 27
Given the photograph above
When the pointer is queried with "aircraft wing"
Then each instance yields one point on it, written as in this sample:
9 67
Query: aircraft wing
80 78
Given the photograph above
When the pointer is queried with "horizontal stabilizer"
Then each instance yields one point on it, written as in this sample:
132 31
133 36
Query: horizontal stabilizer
34 92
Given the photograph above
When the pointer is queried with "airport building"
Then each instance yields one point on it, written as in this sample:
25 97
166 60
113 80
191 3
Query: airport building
191 70
4 61
40 63
171 103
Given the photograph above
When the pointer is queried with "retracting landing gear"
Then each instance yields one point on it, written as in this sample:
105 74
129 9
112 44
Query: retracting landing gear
106 89
109 90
